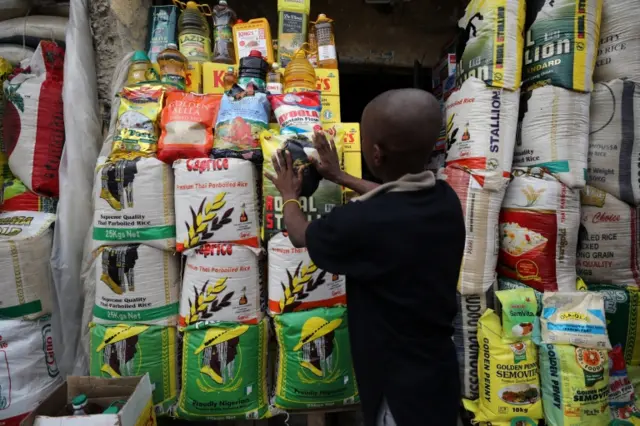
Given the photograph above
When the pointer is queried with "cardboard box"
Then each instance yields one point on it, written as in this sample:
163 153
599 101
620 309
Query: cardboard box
213 77
136 391
330 110
194 76
328 82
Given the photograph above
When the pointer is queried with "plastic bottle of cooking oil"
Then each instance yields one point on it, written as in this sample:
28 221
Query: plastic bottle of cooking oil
193 32
140 68
299 75
229 79
173 67
253 69
224 19
274 80
313 46
327 56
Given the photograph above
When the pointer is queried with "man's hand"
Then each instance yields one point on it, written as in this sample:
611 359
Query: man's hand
286 180
329 164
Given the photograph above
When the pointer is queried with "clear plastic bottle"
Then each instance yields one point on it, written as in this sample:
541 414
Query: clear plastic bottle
275 84
327 56
173 67
299 75
140 68
224 18
313 46
194 32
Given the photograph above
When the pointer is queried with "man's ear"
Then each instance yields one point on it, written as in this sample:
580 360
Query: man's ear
378 155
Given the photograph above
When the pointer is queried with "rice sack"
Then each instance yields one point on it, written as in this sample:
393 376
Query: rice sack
554 133
136 283
296 283
539 224
133 198
33 122
187 126
465 338
614 140
131 350
297 112
575 385
509 284
224 372
561 43
138 125
619 50
519 313
509 381
216 201
481 129
318 196
481 210
240 121
28 371
490 43
574 318
314 360
16 196
622 396
222 282
25 251
609 235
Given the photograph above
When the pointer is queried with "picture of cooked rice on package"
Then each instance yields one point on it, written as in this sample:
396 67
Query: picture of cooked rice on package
137 128
517 240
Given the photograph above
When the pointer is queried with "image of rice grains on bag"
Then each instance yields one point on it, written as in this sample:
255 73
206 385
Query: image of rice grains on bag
490 43
318 196
314 360
509 376
296 283
539 224
222 282
561 43
481 210
481 130
136 283
131 350
33 122
574 318
554 133
622 396
614 139
28 371
133 198
575 385
224 373
465 338
609 236
216 201
25 250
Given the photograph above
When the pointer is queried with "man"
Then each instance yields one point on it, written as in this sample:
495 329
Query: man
400 247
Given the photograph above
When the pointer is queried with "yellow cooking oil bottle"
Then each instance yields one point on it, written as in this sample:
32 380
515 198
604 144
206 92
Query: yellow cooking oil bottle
173 67
253 35
313 46
327 56
140 69
299 74
193 31
224 18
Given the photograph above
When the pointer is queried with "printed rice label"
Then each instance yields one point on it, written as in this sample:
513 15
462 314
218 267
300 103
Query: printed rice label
224 372
222 282
136 283
216 201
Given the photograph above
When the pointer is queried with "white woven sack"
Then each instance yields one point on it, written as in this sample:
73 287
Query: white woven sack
481 210
136 283
481 130
25 253
133 203
619 51
609 236
614 141
554 133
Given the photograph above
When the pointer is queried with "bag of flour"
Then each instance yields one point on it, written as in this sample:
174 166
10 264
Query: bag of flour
614 140
609 235
554 133
481 130
222 283
216 201
133 199
25 252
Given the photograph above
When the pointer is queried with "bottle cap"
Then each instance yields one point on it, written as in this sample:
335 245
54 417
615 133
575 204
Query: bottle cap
222 3
172 46
275 66
230 69
255 54
322 17
192 5
79 400
139 55
239 21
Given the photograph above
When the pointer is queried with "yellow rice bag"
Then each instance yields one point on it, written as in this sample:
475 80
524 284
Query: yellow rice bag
138 127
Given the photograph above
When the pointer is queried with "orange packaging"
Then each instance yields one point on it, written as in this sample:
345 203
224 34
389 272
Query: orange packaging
187 126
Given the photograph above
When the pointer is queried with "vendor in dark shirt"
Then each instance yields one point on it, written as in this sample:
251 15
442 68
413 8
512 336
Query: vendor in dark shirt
400 247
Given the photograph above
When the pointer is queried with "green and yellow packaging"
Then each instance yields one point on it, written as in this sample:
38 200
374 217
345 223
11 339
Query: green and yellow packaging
519 309
293 24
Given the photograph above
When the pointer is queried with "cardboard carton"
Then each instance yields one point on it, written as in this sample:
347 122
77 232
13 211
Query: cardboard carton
213 77
330 109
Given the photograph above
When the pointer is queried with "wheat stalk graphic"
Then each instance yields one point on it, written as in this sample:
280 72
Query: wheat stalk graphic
206 301
206 220
295 291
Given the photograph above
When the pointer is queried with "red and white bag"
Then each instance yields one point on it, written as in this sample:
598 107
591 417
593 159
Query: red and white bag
33 123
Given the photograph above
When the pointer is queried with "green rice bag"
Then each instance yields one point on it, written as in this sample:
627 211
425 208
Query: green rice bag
519 308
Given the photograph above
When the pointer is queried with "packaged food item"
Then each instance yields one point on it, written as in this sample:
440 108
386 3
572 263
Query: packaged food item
17 197
622 397
253 35
253 70
509 284
195 43
275 80
173 67
224 18
293 22
138 126
297 112
574 318
163 27
519 313
187 126
325 38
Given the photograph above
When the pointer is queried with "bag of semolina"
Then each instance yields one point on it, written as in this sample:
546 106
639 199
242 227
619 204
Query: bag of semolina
296 283
519 313
224 372
622 396
509 284
575 385
131 350
508 372
222 282
314 360
216 201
